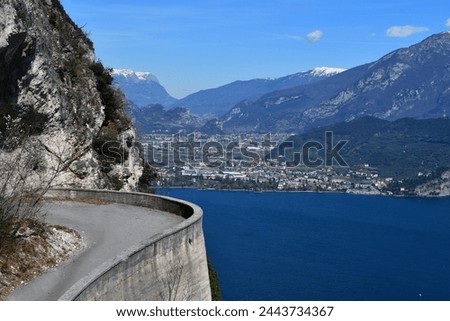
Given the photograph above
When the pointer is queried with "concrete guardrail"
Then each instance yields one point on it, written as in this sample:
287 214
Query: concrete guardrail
168 266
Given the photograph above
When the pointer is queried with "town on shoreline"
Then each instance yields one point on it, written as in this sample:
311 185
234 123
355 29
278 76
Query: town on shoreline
225 168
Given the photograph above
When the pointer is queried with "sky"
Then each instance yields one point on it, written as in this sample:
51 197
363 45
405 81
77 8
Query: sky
199 44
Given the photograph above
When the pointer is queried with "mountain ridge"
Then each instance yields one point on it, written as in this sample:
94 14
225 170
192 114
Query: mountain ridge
408 82
141 88
164 114
219 100
414 152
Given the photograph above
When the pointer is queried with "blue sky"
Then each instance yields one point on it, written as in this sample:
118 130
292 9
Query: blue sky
198 44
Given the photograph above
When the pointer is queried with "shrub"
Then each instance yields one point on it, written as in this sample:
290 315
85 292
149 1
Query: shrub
110 98
148 174
109 149
24 179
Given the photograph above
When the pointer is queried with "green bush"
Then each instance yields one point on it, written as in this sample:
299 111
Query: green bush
111 98
109 149
148 175
214 283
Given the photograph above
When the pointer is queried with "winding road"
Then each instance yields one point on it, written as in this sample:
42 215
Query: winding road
108 230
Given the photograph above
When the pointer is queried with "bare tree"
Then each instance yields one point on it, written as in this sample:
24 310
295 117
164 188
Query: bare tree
173 287
25 176
171 281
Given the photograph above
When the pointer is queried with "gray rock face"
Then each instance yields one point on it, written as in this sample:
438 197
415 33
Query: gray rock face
45 69
437 187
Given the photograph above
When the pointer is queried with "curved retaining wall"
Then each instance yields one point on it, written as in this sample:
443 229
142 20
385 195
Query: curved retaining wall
168 266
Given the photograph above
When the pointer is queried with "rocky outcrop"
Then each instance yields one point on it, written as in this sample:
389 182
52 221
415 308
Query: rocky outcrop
51 84
436 187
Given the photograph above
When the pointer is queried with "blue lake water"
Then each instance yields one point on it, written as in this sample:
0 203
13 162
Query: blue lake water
325 246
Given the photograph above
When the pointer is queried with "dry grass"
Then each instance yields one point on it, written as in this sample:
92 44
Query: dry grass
36 251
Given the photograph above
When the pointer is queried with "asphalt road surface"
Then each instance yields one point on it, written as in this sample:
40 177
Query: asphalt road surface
107 230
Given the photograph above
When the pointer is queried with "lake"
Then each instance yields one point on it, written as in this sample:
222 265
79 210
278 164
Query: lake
325 246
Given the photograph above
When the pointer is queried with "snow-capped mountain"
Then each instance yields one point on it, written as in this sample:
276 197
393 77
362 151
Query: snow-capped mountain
135 75
217 101
141 88
326 71
409 82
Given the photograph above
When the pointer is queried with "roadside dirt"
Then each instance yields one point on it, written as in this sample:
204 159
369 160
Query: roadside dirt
34 251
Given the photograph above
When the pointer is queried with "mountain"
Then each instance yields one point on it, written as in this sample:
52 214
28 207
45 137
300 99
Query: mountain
403 148
155 119
55 95
217 101
141 88
409 82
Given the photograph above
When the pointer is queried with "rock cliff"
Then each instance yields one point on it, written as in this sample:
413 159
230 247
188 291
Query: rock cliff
437 187
53 89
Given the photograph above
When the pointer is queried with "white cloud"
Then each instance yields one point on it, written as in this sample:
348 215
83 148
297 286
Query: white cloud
447 23
404 31
314 36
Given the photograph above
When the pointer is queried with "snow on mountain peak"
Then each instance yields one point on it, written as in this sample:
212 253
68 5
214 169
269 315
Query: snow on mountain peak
140 75
326 71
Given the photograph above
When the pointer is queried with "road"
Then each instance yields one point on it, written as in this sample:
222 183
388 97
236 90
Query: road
107 230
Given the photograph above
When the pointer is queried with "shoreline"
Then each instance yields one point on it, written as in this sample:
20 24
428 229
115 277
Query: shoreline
307 191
